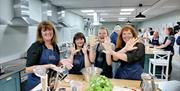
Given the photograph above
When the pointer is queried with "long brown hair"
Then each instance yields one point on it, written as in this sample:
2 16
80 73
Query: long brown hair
43 26
120 43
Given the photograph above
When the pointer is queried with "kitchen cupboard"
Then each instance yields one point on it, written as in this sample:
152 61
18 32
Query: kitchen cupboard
10 83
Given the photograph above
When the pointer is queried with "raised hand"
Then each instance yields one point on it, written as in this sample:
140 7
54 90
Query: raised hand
85 48
107 45
73 50
130 44
92 40
67 63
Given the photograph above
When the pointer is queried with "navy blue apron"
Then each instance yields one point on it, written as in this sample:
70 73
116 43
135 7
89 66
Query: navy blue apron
48 56
100 61
78 63
130 71
155 42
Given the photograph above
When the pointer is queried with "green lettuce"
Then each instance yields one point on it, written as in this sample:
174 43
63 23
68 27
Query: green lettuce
100 83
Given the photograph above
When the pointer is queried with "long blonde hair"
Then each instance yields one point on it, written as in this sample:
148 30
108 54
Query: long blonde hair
43 26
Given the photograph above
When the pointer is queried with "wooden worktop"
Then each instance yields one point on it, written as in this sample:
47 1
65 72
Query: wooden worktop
133 84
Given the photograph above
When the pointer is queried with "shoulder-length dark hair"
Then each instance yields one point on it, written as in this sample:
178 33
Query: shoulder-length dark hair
120 43
43 26
79 35
170 30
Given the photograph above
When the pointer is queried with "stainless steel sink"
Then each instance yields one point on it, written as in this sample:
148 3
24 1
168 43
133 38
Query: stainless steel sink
8 69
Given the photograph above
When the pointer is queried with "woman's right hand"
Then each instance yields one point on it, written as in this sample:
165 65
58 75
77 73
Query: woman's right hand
130 44
67 63
73 50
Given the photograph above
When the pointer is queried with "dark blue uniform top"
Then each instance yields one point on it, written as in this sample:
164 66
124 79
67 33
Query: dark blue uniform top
133 68
78 63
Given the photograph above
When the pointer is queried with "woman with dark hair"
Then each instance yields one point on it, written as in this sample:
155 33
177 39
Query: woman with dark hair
168 45
130 52
169 40
44 52
79 54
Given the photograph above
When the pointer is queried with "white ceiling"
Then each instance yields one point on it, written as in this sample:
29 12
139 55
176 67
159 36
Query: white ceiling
111 8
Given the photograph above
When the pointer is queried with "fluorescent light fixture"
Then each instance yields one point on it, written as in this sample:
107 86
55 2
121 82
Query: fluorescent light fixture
61 12
90 14
104 14
87 11
101 19
127 9
125 13
49 12
121 19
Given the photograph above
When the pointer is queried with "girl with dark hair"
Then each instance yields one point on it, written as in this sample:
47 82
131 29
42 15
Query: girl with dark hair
79 54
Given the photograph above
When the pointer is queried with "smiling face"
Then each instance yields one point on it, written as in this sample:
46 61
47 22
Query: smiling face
102 34
155 34
79 42
47 34
127 35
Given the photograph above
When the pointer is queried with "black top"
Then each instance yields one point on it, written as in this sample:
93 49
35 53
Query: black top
34 53
154 41
170 46
134 56
178 40
78 63
100 61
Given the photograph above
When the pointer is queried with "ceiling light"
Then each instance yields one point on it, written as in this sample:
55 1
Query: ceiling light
90 14
125 13
87 11
128 9
104 14
121 19
128 22
101 19
140 16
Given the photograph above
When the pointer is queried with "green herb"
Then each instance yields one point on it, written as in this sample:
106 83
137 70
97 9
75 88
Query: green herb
100 83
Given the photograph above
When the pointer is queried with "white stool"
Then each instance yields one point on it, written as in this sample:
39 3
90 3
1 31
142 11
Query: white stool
161 58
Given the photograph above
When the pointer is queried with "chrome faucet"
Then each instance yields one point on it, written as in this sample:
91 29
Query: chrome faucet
2 69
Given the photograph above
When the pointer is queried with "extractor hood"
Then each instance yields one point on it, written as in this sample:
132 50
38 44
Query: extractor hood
4 22
54 14
21 14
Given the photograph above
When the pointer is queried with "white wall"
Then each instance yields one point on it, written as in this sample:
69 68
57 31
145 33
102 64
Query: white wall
111 25
6 10
14 41
76 23
166 20
35 10
161 22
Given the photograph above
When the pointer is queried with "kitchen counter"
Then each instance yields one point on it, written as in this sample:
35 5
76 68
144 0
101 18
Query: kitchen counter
131 84
13 67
